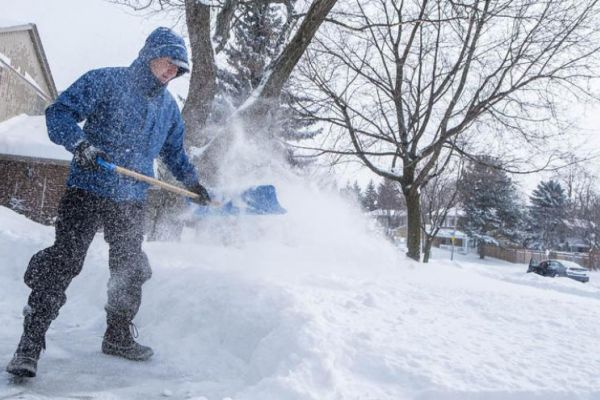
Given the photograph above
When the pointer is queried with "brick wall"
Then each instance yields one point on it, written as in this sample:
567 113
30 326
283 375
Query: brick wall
32 186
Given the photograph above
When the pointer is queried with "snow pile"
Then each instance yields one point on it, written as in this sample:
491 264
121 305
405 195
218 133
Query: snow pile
27 136
310 305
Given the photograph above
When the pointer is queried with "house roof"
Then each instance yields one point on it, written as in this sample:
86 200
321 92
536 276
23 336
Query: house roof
449 233
454 212
26 136
386 213
11 26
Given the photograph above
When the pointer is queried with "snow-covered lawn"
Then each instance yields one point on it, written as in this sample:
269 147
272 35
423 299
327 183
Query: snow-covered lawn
310 305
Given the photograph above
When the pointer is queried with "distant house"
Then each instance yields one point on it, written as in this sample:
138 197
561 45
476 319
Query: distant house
445 236
33 170
26 84
449 234
389 218
393 222
453 216
577 230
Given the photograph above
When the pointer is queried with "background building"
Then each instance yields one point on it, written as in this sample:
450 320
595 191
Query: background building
33 170
26 84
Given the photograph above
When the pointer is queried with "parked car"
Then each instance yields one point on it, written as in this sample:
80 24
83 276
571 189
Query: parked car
555 268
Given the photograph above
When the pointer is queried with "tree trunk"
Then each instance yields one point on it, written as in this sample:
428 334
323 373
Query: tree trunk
427 248
282 68
223 24
481 249
255 115
203 88
203 84
165 224
413 240
295 49
164 211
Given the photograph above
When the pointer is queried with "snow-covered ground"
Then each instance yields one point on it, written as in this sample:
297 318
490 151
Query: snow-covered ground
310 305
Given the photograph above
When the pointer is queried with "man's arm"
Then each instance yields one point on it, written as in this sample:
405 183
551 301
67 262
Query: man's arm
73 106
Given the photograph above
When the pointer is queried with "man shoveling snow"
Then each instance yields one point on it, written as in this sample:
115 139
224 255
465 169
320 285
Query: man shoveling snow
130 119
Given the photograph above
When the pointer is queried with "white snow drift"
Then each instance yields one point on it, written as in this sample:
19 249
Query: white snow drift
310 305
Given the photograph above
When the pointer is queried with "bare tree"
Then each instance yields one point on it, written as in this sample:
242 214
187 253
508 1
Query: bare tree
579 183
583 211
438 197
203 78
256 114
203 82
405 81
203 85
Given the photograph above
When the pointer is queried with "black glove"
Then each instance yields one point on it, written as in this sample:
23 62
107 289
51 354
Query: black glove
203 196
86 156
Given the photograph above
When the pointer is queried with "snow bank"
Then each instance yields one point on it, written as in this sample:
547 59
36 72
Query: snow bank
310 305
311 315
25 135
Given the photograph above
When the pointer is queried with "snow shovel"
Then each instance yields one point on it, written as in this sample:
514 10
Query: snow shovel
257 200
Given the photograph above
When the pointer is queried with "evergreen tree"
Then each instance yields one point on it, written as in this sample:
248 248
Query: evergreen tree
370 197
389 196
357 191
253 46
353 192
490 203
547 215
256 42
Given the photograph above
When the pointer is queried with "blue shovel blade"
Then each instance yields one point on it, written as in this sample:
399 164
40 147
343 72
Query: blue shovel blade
262 200
257 200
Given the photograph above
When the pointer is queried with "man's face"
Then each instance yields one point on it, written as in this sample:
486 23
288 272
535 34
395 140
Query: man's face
163 69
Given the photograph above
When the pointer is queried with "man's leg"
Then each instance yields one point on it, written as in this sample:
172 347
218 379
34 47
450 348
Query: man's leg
129 269
50 272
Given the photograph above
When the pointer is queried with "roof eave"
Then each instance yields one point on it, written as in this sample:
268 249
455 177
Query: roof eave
16 28
45 66
39 49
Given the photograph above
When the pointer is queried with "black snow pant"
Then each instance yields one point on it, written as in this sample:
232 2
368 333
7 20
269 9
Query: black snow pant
81 214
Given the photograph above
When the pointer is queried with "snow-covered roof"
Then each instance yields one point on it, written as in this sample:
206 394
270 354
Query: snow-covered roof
25 135
454 211
386 213
449 233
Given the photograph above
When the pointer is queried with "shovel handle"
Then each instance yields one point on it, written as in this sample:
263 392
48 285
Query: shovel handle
144 178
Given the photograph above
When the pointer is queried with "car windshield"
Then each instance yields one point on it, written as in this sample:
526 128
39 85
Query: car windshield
572 265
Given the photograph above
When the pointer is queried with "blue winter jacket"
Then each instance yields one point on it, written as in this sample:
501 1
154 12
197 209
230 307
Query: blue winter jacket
130 115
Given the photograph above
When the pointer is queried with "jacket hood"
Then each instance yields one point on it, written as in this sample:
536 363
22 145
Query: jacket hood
162 42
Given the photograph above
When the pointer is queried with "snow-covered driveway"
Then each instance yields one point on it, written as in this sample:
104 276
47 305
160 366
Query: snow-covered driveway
310 314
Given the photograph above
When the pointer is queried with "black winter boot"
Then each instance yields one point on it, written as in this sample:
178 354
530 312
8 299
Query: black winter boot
24 362
119 340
